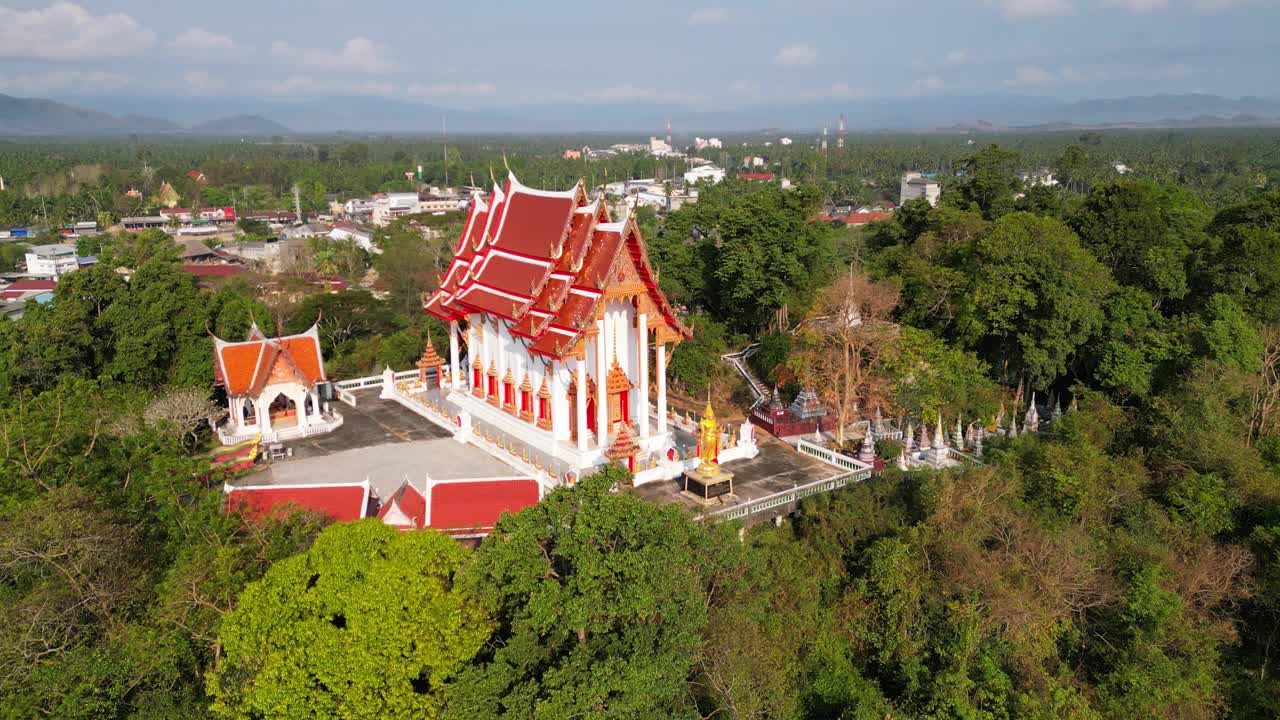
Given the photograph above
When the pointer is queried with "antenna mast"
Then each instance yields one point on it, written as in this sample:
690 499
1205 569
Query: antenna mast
840 133
444 133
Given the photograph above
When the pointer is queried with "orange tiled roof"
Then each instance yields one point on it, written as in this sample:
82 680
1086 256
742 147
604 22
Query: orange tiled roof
245 368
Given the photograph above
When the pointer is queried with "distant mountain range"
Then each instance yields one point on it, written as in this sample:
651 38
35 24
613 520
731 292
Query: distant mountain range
361 115
35 116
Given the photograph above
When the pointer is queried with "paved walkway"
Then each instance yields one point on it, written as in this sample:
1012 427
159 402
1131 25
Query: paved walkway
382 441
775 469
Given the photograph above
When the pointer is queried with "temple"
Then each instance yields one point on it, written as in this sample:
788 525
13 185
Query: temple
271 386
555 318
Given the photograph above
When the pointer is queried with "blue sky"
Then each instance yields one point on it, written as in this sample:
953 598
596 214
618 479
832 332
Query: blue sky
499 53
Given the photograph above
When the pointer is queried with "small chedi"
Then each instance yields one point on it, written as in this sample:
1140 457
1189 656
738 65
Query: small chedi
708 480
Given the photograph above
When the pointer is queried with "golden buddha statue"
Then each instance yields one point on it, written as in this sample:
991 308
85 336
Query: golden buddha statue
708 441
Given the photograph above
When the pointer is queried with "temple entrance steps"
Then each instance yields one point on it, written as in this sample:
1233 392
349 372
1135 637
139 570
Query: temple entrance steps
738 360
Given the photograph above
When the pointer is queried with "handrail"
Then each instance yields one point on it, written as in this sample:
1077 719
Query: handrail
736 360
831 457
785 497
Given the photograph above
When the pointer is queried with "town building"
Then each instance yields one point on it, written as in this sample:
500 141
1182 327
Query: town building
712 173
52 261
658 146
914 185
447 202
359 206
143 222
362 237
186 216
557 306
272 387
389 206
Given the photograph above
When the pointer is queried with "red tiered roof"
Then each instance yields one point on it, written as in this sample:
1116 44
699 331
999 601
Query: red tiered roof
339 502
461 507
475 506
245 368
543 260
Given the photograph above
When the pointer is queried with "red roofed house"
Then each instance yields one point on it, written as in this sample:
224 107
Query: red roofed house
558 307
23 289
756 176
340 503
864 218
462 508
271 387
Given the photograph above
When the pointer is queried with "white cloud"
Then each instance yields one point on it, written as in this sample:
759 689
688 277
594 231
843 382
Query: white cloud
454 89
709 16
842 90
200 82
357 55
744 87
958 57
1140 7
1218 5
1030 76
198 42
309 85
66 31
45 83
1032 8
927 85
796 55
628 93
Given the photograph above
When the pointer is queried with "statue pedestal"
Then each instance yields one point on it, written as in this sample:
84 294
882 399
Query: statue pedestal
708 488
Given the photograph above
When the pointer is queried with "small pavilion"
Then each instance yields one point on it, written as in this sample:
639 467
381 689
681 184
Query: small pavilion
272 387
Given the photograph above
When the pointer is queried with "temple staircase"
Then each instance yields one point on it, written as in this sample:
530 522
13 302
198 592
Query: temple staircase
738 360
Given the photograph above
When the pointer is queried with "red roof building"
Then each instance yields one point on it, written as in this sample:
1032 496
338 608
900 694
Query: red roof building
271 386
755 176
550 291
341 503
20 289
212 271
462 508
863 218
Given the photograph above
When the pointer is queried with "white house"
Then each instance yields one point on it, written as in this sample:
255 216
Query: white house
914 185
52 261
389 206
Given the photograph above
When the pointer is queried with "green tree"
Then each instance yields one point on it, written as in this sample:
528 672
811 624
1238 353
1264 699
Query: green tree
159 329
990 181
599 601
1145 235
368 623
1038 298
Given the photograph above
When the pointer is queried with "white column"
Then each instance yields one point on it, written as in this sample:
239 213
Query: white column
300 409
642 384
556 404
454 383
602 392
662 387
264 415
581 403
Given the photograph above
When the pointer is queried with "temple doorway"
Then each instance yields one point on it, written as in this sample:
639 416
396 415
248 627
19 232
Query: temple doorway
283 411
250 412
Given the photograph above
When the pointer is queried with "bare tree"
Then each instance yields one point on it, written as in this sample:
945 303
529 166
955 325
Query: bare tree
1265 392
183 411
843 344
